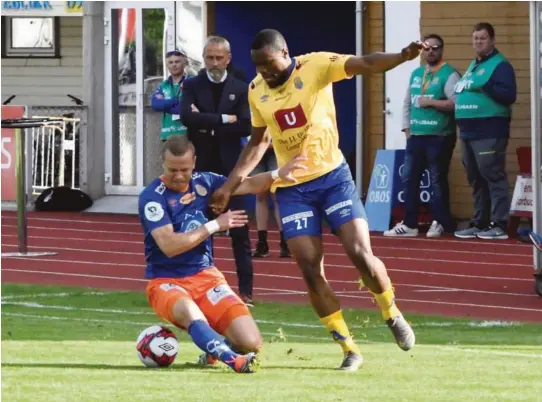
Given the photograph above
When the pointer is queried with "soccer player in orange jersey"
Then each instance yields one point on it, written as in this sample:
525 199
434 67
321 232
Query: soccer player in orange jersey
185 287
293 99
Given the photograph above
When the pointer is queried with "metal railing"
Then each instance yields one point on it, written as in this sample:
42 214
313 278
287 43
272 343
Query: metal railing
56 148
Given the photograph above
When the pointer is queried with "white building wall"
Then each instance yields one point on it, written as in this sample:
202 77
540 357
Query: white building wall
47 81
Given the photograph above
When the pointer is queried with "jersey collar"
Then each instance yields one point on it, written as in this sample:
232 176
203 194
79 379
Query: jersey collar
291 69
163 180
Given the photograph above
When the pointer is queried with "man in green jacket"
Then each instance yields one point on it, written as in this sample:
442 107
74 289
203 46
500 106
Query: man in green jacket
483 113
429 125
167 97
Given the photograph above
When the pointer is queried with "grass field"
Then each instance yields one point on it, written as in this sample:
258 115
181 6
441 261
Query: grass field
74 344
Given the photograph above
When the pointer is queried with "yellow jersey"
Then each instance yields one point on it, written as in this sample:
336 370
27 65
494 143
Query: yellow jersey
300 114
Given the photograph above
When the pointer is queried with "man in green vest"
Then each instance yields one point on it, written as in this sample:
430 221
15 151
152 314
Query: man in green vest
483 113
167 97
429 124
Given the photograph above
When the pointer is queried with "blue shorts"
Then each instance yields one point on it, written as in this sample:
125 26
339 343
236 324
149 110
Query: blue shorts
332 197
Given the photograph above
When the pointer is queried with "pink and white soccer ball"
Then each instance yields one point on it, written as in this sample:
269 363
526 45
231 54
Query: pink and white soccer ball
157 346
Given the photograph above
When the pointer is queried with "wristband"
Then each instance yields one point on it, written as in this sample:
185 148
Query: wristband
212 227
275 174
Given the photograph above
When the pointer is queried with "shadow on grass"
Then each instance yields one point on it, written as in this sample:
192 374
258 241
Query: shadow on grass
176 367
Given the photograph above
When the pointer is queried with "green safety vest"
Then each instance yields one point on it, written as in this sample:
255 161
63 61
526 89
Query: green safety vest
472 102
170 126
429 120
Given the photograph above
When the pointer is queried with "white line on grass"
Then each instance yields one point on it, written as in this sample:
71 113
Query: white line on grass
479 324
360 297
286 336
123 322
63 294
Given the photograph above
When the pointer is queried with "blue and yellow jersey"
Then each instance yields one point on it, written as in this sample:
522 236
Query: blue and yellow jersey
300 114
186 211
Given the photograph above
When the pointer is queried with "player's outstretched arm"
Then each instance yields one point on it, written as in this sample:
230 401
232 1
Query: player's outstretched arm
263 181
173 244
381 62
249 158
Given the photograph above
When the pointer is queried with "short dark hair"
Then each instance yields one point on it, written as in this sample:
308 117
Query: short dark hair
268 38
177 145
434 36
481 26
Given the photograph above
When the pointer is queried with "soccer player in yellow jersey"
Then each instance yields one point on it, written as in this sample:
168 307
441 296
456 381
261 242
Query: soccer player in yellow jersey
293 99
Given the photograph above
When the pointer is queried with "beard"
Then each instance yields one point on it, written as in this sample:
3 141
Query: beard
216 74
279 80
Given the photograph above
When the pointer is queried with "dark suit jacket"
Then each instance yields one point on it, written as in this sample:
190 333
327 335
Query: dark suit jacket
206 129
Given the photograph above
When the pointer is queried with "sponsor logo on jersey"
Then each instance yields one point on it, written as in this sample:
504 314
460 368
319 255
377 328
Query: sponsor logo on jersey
187 198
218 293
291 118
192 225
161 188
153 211
202 191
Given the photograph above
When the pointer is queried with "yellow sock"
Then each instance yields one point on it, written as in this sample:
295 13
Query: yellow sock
338 329
386 301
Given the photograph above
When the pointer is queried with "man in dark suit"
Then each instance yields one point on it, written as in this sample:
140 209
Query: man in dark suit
215 110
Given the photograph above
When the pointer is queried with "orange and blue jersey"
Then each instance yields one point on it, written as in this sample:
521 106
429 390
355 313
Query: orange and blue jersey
185 211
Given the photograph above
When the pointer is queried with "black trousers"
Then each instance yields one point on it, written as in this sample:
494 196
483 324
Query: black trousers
240 238
485 163
242 252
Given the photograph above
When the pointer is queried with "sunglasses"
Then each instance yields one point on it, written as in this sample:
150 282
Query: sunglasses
433 47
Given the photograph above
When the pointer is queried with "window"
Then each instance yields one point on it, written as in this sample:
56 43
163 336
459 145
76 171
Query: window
30 37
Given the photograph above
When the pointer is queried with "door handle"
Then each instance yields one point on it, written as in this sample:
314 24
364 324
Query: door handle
388 112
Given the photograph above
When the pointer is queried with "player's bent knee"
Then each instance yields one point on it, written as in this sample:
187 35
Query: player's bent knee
243 332
249 341
185 311
252 342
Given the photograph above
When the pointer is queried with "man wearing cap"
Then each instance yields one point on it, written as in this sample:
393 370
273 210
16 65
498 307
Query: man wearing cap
167 97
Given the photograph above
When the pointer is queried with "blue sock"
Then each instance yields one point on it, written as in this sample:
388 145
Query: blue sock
233 348
211 342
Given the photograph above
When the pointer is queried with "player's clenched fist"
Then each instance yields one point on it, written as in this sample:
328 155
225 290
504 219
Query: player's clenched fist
413 50
232 219
219 200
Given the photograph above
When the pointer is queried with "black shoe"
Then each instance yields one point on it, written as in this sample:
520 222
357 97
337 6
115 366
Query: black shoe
262 250
284 251
247 299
